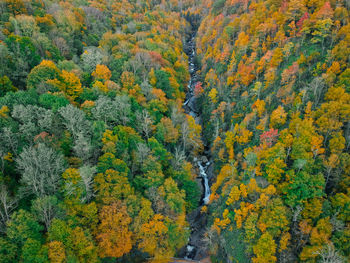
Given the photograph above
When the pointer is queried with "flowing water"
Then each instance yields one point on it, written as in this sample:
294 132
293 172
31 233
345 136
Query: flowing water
195 248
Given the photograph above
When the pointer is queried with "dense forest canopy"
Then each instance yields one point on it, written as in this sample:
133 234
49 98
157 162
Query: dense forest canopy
98 158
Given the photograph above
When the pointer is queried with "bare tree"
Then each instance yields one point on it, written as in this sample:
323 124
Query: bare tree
185 131
45 209
82 147
177 117
90 58
9 140
115 111
142 152
75 120
328 254
87 174
122 104
317 86
7 205
83 185
146 90
62 45
144 123
179 158
141 64
32 119
41 169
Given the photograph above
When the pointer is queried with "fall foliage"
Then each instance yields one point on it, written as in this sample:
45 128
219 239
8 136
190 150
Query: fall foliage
100 156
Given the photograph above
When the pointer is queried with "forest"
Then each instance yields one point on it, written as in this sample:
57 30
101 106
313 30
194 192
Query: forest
173 131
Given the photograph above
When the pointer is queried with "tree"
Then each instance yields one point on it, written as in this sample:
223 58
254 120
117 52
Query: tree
6 85
7 205
83 246
259 105
154 240
22 226
34 251
274 218
69 83
269 137
242 42
8 251
278 117
322 30
24 25
212 94
82 147
191 135
102 73
60 231
319 237
53 102
277 58
172 195
77 190
45 209
77 243
152 174
295 10
265 249
115 111
163 83
329 254
24 56
111 186
33 120
41 169
46 70
75 120
16 6
114 236
145 123
302 186
56 252
91 57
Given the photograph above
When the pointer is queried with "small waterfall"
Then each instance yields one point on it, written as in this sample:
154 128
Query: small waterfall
203 174
190 250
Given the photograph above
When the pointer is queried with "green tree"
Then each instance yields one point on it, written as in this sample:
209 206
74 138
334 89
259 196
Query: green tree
23 226
301 186
6 86
163 83
8 251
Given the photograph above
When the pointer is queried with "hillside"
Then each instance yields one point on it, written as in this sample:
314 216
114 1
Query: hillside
150 131
277 108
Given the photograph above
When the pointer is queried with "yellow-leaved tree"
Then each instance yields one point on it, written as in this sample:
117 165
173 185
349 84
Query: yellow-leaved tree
114 236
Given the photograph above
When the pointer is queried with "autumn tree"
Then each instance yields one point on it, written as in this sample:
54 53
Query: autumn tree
114 236
265 249
154 239
101 73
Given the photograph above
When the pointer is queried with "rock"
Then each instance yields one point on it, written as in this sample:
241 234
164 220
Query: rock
210 173
204 159
192 104
200 184
193 114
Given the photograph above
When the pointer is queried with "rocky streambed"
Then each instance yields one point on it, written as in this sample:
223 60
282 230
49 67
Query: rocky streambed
196 248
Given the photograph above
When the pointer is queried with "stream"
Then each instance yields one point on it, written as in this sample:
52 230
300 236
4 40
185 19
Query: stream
196 248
